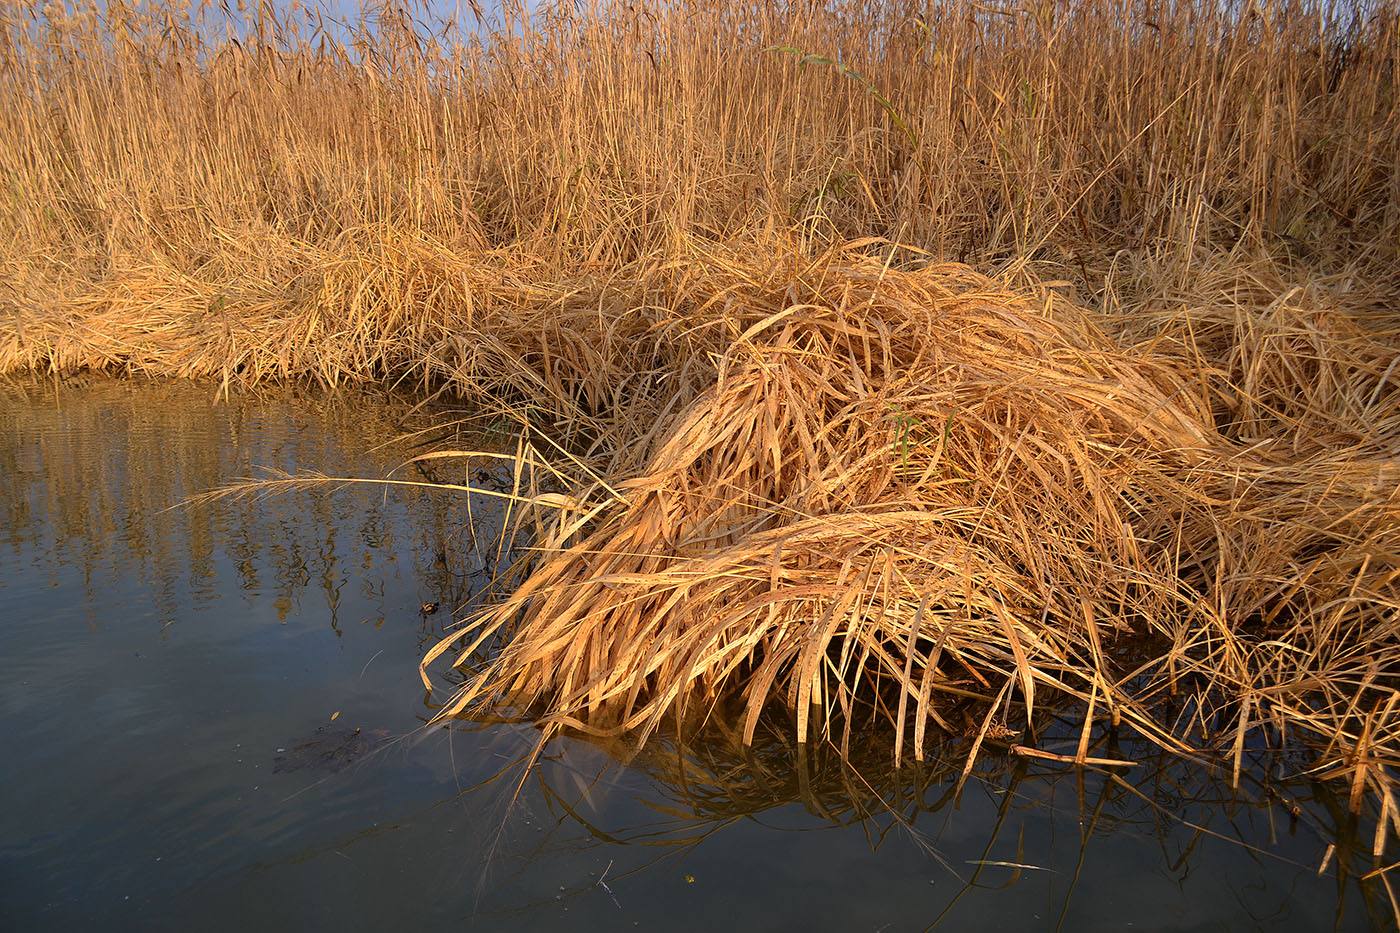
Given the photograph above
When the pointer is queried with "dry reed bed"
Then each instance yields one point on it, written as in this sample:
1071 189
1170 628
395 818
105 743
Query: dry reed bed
880 488
223 146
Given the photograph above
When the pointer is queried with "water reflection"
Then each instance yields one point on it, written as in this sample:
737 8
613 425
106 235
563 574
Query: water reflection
160 661
158 655
91 478
1018 844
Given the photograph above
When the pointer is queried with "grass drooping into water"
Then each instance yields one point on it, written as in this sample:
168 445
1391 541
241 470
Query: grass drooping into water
917 479
855 476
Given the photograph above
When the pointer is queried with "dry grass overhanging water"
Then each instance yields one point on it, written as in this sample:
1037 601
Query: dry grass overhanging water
724 255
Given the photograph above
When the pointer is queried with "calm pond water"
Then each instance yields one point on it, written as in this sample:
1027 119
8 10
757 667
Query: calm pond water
165 672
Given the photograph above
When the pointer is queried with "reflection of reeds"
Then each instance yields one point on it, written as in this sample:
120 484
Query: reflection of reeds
91 477
706 782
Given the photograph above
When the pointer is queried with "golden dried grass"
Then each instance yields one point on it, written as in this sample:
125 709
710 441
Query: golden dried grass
909 486
818 467
246 157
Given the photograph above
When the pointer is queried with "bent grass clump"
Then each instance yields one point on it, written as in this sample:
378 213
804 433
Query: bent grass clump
1042 500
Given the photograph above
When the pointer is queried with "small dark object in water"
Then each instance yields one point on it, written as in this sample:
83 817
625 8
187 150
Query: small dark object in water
330 749
428 609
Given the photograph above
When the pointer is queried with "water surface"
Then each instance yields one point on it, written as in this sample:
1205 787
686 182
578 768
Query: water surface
160 658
